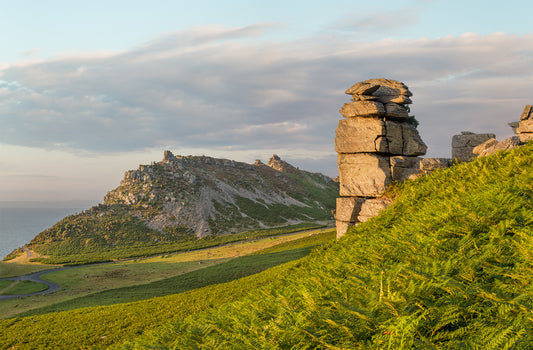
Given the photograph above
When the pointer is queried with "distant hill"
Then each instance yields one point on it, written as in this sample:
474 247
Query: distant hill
181 198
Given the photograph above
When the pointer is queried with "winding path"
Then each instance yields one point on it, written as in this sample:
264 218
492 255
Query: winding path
35 277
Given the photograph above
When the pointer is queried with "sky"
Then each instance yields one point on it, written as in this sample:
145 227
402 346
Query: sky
91 89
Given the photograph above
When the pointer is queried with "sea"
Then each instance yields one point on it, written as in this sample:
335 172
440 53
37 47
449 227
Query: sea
21 221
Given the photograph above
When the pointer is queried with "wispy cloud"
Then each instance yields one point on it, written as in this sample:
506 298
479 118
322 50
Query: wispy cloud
379 22
212 87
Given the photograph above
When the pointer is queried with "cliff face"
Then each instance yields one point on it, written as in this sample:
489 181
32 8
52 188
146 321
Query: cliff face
206 195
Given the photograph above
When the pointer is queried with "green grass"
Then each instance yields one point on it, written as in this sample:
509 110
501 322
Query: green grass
22 287
84 280
106 325
221 273
10 269
448 266
73 251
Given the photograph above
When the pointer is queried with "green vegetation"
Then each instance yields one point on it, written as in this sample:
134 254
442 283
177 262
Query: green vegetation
86 238
106 325
220 273
15 253
10 269
21 287
449 265
84 280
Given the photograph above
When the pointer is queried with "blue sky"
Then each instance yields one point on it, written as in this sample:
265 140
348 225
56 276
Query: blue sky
89 90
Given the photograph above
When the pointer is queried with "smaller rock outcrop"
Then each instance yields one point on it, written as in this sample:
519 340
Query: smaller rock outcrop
469 145
492 146
524 128
463 144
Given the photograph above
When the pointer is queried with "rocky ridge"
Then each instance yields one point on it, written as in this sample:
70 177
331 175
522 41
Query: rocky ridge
206 195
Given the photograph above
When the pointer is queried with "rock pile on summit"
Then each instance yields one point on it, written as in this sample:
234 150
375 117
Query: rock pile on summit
377 143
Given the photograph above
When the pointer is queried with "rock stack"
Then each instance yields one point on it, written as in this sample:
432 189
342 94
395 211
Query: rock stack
377 143
524 128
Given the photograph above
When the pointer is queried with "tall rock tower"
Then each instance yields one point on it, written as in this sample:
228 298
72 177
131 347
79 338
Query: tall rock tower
377 143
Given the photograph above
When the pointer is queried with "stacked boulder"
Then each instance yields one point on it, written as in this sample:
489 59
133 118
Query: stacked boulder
377 143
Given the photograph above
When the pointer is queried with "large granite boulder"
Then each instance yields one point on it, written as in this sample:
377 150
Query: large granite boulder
363 174
364 135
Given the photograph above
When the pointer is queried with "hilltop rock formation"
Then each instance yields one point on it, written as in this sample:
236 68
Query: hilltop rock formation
377 143
206 195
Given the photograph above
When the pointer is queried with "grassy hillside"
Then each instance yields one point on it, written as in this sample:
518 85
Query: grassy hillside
449 265
106 325
85 238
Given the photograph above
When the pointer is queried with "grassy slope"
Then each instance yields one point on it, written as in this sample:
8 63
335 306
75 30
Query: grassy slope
22 287
81 239
449 265
91 279
106 325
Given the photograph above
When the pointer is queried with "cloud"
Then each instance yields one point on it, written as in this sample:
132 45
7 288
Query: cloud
379 22
226 88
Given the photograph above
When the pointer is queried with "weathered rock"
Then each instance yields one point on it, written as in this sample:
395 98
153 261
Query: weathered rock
463 145
363 174
525 138
405 168
375 146
342 227
362 88
412 142
362 109
369 135
348 209
527 113
168 157
492 146
480 149
384 87
360 135
525 126
352 210
514 126
276 163
394 110
429 165
400 99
